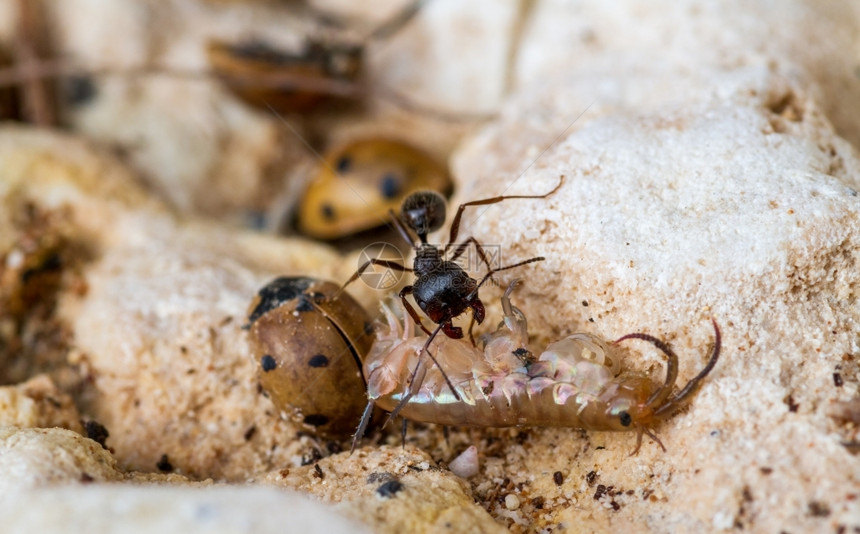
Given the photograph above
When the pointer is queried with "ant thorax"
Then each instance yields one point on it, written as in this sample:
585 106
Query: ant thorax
427 259
442 288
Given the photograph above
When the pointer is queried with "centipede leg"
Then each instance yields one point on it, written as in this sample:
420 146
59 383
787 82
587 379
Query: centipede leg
638 443
654 437
410 310
418 378
362 426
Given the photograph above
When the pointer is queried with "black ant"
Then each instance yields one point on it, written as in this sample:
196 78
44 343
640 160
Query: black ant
442 289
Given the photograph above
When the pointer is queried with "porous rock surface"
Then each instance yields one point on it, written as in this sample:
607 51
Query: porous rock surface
161 360
151 509
737 201
705 177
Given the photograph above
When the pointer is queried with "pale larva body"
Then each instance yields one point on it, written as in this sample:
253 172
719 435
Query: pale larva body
574 382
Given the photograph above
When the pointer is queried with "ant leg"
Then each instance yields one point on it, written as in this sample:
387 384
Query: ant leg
373 261
362 426
455 225
461 247
410 310
478 314
505 268
481 252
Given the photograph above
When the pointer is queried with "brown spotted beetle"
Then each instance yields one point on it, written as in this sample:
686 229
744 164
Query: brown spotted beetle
309 349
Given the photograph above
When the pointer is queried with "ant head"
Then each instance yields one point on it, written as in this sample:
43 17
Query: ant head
423 212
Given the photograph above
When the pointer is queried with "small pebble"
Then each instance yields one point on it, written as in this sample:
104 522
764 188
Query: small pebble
512 502
466 464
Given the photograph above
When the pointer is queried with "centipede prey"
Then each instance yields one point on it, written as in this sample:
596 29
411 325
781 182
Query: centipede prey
574 382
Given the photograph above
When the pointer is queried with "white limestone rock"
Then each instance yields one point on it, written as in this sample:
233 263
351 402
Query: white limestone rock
37 403
734 199
169 510
37 457
819 40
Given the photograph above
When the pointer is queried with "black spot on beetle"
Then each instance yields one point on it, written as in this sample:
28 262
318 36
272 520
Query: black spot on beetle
315 419
390 186
318 361
389 489
343 164
304 305
96 432
268 363
164 464
277 292
327 211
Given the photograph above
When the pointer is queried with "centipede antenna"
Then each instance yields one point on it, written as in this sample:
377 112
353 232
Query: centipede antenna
694 384
659 397
362 426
